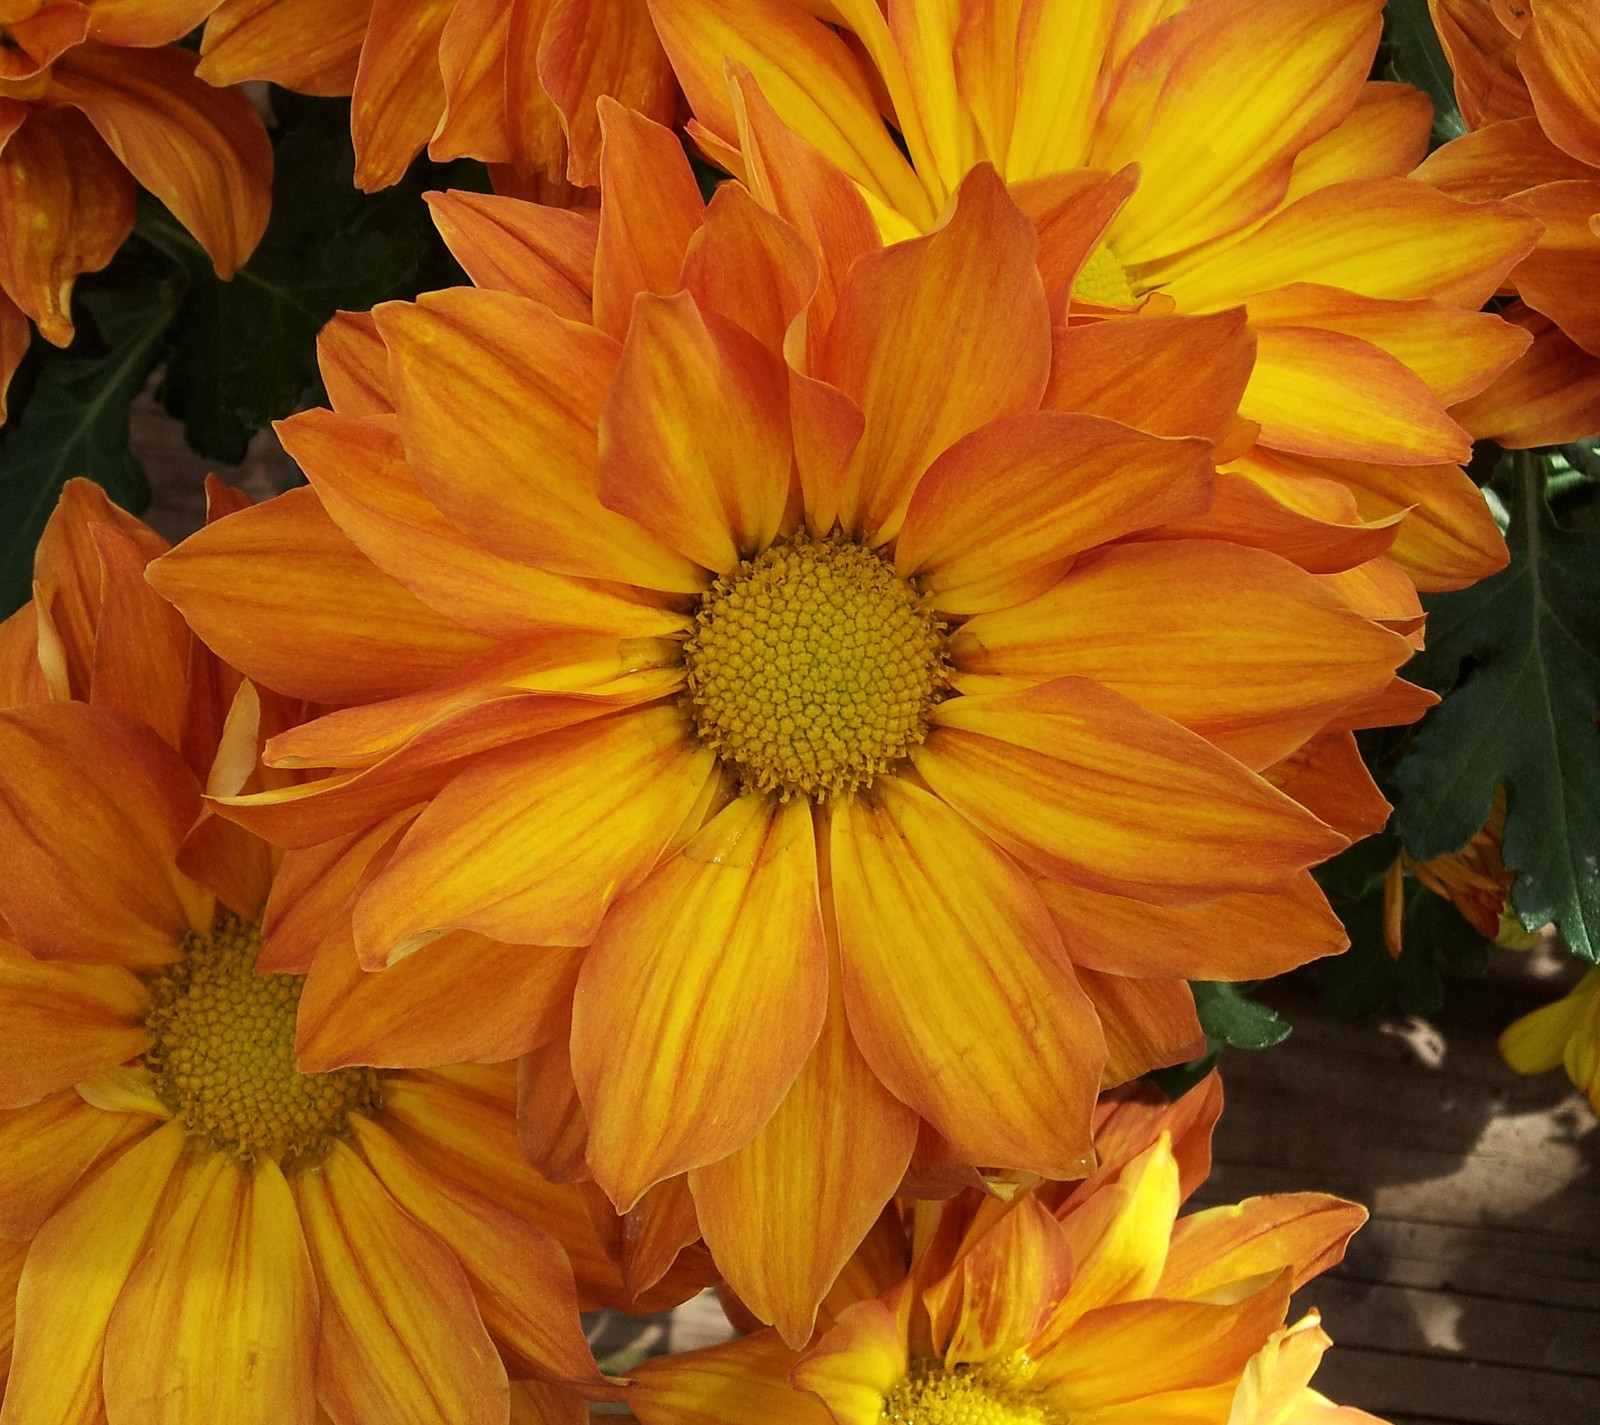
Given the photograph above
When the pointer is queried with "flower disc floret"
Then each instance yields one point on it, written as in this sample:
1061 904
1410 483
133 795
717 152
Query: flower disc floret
993 1393
812 668
223 1053
1104 281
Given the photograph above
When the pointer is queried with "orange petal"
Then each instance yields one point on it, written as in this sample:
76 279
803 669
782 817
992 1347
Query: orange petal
1115 935
959 994
1248 1242
279 592
565 844
1390 237
142 23
609 47
1002 513
1547 397
398 96
652 207
464 999
1560 59
696 933
1384 136
46 1148
784 1213
1130 1119
202 151
857 1363
1235 644
67 1022
226 1287
15 336
695 434
1071 211
401 1335
1148 1024
355 365
36 40
1560 276
966 302
100 885
728 1384
499 403
1500 160
552 1128
1482 53
538 138
68 205
1169 375
520 1277
507 245
310 46
1084 785
75 1271
359 471
1320 392
472 66
1329 779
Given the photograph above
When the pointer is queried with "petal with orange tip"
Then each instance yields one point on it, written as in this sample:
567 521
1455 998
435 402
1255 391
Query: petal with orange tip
1321 393
1388 237
784 1213
552 1128
959 994
35 41
100 885
68 205
1500 160
857 1363
749 266
1071 211
401 1337
1549 396
507 245
499 403
398 96
77 1267
354 364
279 592
1224 1252
695 933
359 471
47 1147
202 151
1001 514
1059 49
595 47
227 1287
1169 375
1560 60
472 65
694 438
1235 644
1220 941
652 207
966 302
564 843
144 23
1561 277
520 1277
1082 784
728 1384
310 46
464 999
1148 1024
67 1022
1244 88
1483 57
1329 779
1384 136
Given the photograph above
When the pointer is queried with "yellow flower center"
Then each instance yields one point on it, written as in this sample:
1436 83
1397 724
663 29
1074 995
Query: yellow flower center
1104 281
994 1393
812 668
223 1056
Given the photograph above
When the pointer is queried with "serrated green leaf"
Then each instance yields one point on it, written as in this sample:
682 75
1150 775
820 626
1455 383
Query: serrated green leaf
1229 1016
75 422
1519 659
1416 57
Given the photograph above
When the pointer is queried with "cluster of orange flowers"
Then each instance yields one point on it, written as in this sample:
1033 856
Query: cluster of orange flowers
730 765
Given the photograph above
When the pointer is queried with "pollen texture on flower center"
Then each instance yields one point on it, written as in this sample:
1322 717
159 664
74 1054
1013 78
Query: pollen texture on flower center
1103 280
223 1056
812 668
995 1393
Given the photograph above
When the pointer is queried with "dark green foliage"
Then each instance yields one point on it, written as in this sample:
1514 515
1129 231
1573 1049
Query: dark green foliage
1412 54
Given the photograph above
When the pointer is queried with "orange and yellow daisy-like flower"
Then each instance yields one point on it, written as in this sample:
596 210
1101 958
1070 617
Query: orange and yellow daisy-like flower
880 724
1525 81
1092 1303
93 96
197 1231
1236 155
1565 1034
511 82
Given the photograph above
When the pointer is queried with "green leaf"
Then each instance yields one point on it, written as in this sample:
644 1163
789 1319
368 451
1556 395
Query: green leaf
75 422
1414 56
1518 657
1228 1016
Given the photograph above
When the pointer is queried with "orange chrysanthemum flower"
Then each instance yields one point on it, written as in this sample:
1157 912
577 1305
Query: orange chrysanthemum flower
202 1232
1236 155
1525 78
881 724
511 82
1093 1303
93 96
